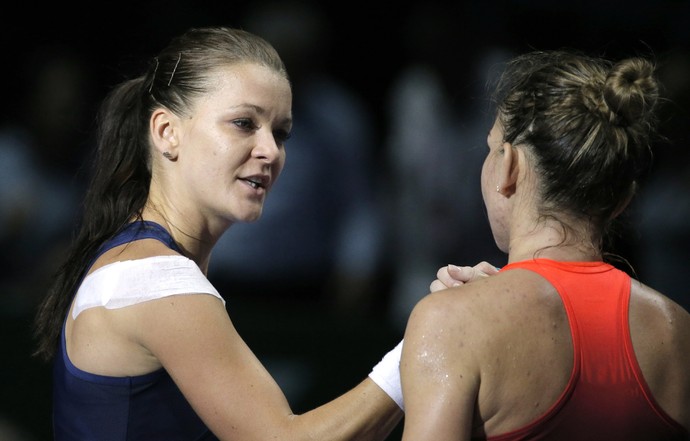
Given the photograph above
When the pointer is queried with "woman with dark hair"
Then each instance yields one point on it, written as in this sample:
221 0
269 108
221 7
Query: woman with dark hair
142 344
559 345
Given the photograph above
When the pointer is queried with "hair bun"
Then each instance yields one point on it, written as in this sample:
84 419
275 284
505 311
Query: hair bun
631 92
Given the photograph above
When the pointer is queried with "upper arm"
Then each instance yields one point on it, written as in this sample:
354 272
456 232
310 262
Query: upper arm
194 339
439 378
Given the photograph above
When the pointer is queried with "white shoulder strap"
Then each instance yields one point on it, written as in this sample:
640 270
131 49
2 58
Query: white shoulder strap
130 282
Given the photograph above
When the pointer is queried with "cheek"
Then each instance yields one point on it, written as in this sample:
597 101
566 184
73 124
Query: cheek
486 181
492 204
278 166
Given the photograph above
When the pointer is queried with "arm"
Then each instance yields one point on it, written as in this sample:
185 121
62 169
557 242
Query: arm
439 378
194 339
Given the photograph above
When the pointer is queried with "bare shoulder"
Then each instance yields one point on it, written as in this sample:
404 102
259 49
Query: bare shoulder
117 337
482 336
660 333
655 312
498 305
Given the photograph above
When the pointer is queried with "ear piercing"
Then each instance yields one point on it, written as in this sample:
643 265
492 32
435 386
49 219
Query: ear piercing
168 155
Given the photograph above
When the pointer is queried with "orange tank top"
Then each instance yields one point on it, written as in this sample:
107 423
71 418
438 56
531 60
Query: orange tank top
606 397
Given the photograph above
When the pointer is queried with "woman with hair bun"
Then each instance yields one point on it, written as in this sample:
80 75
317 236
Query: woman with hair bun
558 345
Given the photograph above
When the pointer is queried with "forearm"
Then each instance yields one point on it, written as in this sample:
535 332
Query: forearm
368 412
365 413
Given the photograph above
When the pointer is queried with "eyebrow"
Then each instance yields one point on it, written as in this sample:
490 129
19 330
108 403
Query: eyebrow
260 110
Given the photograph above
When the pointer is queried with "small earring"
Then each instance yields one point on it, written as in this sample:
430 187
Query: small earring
498 189
168 155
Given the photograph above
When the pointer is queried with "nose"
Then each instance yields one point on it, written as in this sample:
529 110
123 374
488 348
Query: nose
267 147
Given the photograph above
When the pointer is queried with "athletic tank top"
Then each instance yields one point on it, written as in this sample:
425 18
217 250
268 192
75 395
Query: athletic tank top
607 397
90 407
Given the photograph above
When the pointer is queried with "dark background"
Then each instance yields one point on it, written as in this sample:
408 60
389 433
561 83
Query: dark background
369 44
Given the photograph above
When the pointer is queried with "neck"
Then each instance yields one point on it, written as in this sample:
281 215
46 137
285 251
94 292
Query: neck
195 243
553 241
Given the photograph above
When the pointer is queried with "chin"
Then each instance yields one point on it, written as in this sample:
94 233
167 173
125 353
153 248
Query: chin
501 244
244 212
251 217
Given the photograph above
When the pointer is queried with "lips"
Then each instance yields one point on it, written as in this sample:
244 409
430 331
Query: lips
257 181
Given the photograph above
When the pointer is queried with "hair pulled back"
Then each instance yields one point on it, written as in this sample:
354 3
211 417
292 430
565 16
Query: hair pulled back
121 166
587 123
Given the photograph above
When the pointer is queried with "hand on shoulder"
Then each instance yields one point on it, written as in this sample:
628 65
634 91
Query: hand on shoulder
450 276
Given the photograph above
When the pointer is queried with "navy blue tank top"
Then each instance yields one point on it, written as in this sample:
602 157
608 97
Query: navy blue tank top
89 407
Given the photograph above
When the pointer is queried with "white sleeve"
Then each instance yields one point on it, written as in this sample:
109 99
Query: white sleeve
129 282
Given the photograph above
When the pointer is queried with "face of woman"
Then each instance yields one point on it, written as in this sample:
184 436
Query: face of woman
494 201
232 146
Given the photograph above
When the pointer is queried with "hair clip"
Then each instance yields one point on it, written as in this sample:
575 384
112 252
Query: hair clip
179 56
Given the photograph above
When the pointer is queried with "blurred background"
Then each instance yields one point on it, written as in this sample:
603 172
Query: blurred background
381 185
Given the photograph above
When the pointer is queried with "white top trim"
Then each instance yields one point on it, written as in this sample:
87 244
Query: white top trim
130 282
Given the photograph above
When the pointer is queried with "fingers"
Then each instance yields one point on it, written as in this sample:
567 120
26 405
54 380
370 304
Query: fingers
464 274
450 276
486 268
453 275
444 280
437 285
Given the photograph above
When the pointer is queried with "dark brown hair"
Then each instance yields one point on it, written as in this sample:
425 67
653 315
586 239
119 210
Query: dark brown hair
587 122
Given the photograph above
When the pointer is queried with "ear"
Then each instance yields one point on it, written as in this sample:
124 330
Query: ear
164 132
508 170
